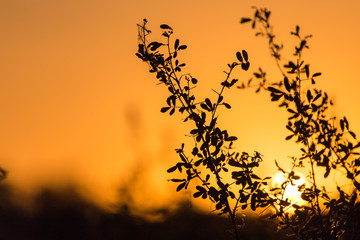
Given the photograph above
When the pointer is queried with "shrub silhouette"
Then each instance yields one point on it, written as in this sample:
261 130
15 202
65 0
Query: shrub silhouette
325 142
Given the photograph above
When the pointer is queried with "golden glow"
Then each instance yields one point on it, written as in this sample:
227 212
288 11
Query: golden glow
78 107
291 191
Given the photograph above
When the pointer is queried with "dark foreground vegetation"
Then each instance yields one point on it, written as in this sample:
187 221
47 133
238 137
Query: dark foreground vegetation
66 215
326 142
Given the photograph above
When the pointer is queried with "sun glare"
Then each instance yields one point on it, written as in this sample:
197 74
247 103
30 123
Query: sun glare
291 191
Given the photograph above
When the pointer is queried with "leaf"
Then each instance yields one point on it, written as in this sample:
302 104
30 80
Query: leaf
164 109
296 177
275 97
244 20
195 151
165 26
308 95
227 105
232 138
307 70
234 163
245 55
178 180
194 80
327 172
342 124
255 176
253 202
182 47
352 134
289 137
172 169
245 66
197 194
316 74
287 84
239 57
176 43
346 123
208 102
181 186
204 106
154 45
274 90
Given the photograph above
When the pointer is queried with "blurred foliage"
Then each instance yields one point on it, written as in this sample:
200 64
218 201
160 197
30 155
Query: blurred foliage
66 215
325 142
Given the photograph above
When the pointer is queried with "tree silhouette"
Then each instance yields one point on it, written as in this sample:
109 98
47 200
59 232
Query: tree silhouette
325 142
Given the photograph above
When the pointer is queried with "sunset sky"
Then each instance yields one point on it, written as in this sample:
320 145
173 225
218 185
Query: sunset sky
77 107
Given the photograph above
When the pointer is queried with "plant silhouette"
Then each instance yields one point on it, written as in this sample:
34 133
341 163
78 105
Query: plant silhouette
325 142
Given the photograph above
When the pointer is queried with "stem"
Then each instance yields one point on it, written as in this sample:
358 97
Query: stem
190 111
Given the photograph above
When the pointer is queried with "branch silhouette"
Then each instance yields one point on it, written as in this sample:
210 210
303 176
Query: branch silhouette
325 142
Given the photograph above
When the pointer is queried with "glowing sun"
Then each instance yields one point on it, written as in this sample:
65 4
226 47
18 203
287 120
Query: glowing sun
291 191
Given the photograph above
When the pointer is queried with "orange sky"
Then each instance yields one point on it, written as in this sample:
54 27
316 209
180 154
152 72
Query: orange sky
78 107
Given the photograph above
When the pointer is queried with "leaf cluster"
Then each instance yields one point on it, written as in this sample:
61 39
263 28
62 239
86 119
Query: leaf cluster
325 142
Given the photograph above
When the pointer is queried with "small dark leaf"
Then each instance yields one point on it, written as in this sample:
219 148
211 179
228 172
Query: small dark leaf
208 102
346 123
308 95
204 106
197 194
296 177
182 47
327 172
181 186
274 90
255 176
194 80
239 57
195 151
172 169
207 178
154 45
287 84
253 201
245 55
352 134
289 137
342 124
275 97
307 70
164 109
228 106
178 180
201 189
316 74
164 26
234 163
244 20
232 138
245 66
176 44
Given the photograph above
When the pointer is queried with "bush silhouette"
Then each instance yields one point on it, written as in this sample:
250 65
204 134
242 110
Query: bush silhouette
325 141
